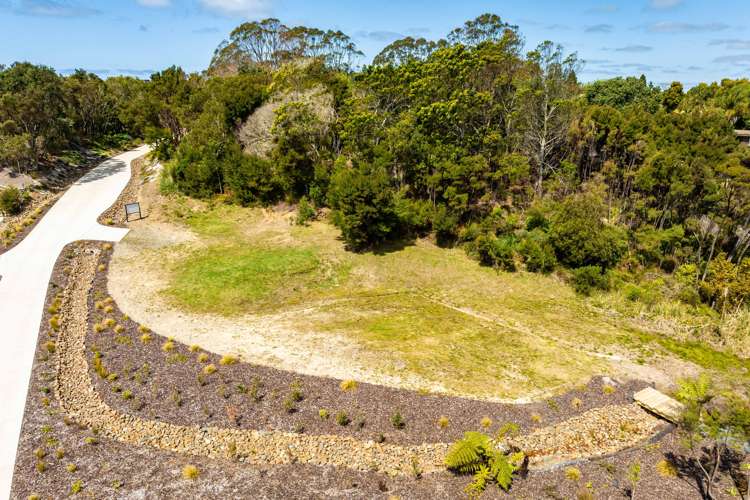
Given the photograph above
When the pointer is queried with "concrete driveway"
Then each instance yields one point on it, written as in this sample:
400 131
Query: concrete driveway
26 271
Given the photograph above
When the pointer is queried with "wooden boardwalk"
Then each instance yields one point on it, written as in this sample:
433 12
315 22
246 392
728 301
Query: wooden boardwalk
659 403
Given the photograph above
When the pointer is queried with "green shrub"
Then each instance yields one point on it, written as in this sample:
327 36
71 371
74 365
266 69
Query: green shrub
342 418
362 203
305 212
496 252
590 278
537 252
398 421
12 200
476 454
581 238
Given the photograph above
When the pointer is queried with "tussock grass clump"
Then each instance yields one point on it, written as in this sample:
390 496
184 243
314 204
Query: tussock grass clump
443 422
573 474
486 422
195 348
33 496
143 329
348 385
41 466
99 328
576 403
107 247
608 389
209 369
665 468
40 453
228 359
109 323
119 329
323 414
190 472
398 421
536 418
91 440
146 338
76 487
203 357
168 346
54 323
71 468
59 453
50 346
342 418
127 394
101 268
109 309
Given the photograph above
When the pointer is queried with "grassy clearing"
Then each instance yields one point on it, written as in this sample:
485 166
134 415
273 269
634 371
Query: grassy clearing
418 311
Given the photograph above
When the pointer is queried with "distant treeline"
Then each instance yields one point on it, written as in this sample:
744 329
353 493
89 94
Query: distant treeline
467 138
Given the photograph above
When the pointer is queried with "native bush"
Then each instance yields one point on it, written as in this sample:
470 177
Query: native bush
12 200
587 279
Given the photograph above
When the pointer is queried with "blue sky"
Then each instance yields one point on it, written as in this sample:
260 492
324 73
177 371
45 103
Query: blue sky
685 40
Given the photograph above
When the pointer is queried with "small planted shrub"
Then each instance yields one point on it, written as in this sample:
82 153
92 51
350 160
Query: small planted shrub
289 406
127 394
59 453
443 422
665 468
146 338
91 440
50 346
228 359
54 323
203 357
323 414
190 472
576 403
348 385
71 468
195 348
296 395
109 309
76 487
486 422
608 389
40 453
398 421
101 268
143 329
99 328
41 466
536 418
209 369
119 329
109 323
573 474
476 454
342 418
168 346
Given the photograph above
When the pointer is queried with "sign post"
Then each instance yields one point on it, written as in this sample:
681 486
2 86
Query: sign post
132 209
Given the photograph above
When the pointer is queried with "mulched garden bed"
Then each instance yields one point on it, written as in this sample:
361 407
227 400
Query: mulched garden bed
171 386
109 469
114 216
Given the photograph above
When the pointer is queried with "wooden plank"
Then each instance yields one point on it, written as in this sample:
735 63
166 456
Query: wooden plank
659 403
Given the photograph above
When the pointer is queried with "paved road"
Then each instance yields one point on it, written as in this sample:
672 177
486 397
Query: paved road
25 272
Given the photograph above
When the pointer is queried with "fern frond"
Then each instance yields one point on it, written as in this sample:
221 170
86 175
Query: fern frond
466 455
479 483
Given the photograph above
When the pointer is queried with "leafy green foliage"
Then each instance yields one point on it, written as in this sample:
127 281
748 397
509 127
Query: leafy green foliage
589 278
477 454
12 200
362 200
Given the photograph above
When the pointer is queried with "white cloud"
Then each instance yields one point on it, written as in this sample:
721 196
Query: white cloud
155 3
664 4
247 8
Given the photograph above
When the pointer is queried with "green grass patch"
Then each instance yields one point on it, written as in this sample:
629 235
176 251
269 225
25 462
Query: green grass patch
237 279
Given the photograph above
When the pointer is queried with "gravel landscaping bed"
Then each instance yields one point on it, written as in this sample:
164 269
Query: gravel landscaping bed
22 224
115 215
105 468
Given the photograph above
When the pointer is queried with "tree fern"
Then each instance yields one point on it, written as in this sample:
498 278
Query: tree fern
476 454
467 455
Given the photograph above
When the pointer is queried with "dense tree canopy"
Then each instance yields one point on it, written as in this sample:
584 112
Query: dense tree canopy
467 138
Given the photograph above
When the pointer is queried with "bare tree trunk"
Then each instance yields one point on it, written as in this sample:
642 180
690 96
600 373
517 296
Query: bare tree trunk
710 256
